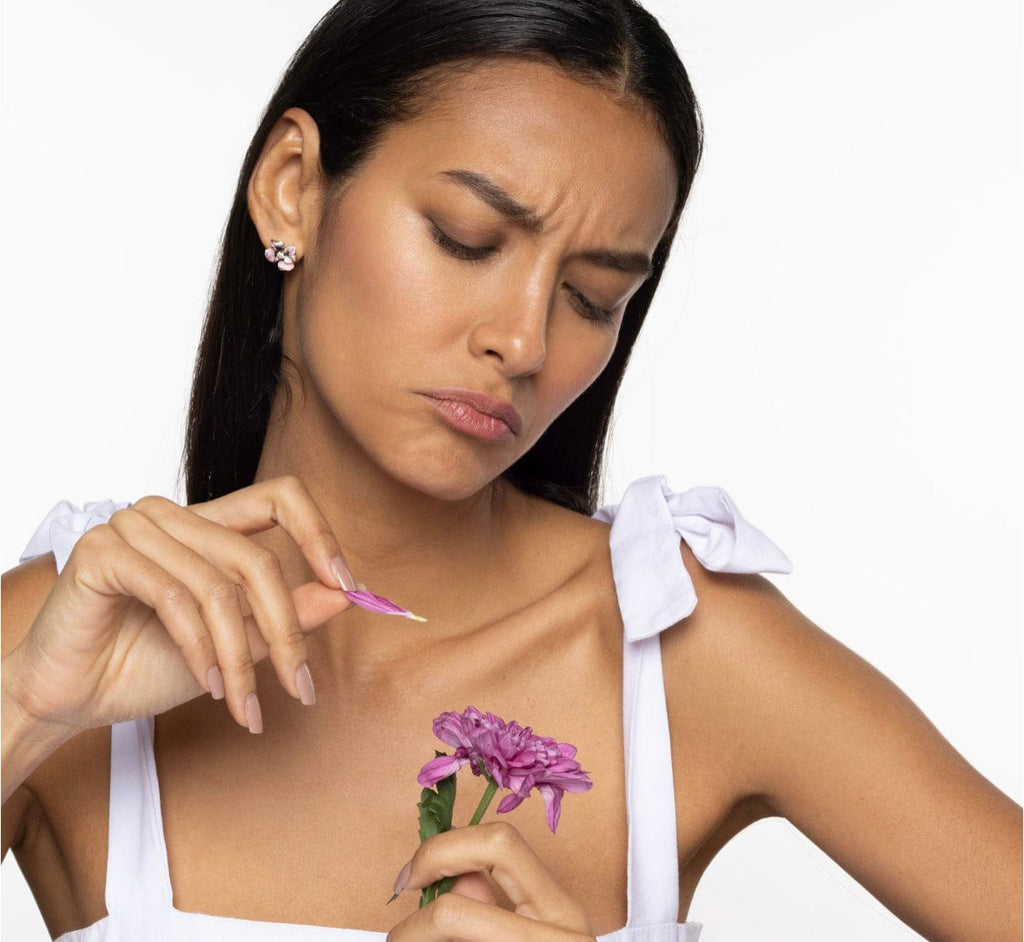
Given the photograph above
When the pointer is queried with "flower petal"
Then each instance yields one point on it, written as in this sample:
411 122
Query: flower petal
513 756
437 769
509 802
552 804
379 604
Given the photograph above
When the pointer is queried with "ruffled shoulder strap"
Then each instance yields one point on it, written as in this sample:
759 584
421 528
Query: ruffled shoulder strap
654 589
63 525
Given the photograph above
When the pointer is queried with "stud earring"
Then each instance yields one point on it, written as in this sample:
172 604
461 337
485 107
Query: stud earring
283 255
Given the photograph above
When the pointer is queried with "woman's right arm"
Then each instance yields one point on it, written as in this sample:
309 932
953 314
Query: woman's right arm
148 613
24 744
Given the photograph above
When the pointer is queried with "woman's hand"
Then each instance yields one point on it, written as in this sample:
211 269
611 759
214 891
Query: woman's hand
164 603
541 909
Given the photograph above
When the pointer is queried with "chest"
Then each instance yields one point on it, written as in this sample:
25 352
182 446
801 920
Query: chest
311 822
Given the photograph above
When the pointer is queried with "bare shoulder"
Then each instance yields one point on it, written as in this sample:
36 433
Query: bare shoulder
763 676
554 532
780 711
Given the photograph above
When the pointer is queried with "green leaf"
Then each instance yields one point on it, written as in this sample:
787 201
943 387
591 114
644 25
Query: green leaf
436 808
432 815
446 799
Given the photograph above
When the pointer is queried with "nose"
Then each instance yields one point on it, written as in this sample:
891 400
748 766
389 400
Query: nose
514 331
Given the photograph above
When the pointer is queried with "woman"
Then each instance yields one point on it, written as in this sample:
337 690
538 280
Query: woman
471 280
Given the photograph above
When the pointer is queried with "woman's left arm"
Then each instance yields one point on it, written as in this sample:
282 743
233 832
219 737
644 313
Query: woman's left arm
836 748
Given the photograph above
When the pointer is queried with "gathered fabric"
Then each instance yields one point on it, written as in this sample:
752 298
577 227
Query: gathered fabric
654 592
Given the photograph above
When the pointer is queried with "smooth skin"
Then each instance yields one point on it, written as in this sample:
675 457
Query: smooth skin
412 278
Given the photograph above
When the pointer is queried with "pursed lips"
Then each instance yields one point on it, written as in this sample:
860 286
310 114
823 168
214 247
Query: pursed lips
480 401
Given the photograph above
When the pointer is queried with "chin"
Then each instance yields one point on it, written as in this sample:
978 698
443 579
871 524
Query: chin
449 475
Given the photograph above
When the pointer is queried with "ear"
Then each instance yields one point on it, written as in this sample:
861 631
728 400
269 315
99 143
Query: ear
285 187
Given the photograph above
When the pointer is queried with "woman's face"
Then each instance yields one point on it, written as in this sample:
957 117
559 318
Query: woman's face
471 280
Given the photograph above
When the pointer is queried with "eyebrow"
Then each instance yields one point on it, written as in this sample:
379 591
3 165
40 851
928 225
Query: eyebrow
497 198
633 263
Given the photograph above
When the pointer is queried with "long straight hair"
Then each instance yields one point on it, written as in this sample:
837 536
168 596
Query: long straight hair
366 65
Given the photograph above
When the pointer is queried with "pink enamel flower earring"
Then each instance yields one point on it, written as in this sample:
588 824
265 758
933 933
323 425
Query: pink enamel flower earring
283 255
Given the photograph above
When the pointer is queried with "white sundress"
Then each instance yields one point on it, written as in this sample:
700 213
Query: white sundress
654 592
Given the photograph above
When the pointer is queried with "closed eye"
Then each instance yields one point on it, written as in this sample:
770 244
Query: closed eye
468 253
587 307
457 249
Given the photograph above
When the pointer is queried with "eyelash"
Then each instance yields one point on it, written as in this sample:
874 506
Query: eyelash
469 254
590 310
452 247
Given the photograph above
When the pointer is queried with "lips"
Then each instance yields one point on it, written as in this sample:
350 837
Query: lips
481 402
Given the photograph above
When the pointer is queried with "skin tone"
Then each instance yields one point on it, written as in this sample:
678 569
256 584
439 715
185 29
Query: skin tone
469 251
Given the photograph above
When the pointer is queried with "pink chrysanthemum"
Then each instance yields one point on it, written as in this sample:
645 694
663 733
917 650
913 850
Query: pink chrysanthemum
513 756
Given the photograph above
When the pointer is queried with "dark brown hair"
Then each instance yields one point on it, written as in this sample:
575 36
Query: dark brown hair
361 69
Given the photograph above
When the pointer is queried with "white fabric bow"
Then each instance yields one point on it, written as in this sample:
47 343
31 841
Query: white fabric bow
64 524
653 586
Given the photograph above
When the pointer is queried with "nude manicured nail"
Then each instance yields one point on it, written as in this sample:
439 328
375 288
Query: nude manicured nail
342 574
402 878
215 681
304 681
253 714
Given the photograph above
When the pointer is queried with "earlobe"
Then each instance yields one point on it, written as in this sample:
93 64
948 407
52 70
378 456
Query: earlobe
283 192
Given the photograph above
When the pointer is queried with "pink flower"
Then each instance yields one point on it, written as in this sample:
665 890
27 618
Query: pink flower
509 754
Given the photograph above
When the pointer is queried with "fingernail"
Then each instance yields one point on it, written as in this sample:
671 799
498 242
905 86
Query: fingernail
215 681
253 715
402 878
304 681
342 574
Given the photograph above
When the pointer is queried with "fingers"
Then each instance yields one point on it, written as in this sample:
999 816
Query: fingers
226 651
222 648
286 503
498 848
221 596
314 604
475 886
104 562
226 559
456 917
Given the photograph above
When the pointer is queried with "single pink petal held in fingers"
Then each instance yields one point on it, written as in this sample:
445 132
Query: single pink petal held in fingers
379 604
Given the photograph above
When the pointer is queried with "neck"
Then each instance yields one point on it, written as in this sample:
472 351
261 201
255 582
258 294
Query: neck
421 551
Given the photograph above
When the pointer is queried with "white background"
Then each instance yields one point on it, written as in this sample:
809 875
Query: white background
836 341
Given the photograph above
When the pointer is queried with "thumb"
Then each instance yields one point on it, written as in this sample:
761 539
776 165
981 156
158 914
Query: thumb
475 886
315 603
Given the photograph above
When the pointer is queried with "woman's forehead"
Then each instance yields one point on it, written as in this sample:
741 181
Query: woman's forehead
549 139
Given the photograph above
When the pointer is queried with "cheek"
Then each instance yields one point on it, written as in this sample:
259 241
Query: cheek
376 281
580 354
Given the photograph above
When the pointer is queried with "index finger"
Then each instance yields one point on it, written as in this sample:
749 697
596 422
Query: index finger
283 502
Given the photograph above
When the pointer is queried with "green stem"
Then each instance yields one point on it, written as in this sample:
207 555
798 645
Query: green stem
444 885
485 800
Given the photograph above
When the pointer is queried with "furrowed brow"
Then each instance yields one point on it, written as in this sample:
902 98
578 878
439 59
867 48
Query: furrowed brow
633 263
497 198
